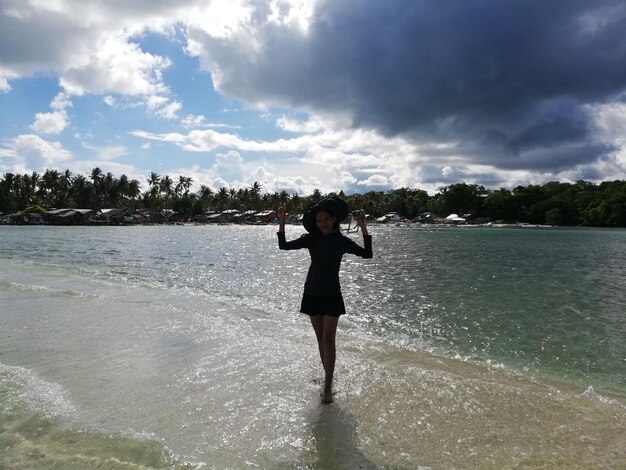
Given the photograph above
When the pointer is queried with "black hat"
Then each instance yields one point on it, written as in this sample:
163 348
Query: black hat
334 205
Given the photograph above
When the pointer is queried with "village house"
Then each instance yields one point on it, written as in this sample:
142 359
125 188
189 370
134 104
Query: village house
389 217
68 216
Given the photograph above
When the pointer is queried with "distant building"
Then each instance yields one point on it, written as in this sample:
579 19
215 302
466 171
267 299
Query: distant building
217 218
116 216
455 219
230 215
265 216
389 217
68 216
426 218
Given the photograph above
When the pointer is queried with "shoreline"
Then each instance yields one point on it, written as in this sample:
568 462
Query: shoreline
402 224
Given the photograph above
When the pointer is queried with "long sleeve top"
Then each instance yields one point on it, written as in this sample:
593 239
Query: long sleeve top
326 253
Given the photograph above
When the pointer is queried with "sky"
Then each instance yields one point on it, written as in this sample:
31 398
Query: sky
352 95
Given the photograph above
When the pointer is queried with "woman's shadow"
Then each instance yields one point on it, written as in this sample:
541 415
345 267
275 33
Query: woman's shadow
335 440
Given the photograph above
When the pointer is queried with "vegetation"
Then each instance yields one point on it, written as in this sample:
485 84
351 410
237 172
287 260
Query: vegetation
581 203
32 210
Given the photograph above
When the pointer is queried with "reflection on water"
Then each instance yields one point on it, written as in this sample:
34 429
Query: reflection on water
335 440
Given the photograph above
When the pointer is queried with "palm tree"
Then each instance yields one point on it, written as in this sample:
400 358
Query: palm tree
133 190
122 186
96 196
80 190
95 174
7 194
183 185
26 189
166 187
49 186
296 204
154 179
66 179
242 199
255 193
221 198
206 194
110 190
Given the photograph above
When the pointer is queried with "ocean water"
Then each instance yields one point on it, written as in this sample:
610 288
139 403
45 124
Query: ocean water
181 347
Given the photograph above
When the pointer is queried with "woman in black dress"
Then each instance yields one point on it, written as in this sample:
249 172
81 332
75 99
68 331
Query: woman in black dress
322 299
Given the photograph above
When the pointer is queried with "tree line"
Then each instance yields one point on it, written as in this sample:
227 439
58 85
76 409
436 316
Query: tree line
554 203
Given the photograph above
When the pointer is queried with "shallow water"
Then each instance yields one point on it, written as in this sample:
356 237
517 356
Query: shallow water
164 346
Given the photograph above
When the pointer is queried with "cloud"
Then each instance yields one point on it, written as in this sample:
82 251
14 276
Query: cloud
417 93
91 47
56 121
5 76
375 180
169 111
107 153
196 140
228 166
510 80
115 66
292 125
610 122
29 152
49 123
193 121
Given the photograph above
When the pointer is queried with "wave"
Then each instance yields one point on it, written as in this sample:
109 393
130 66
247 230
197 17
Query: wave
23 390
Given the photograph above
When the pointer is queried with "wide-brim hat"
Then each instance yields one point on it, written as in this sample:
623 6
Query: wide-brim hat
334 205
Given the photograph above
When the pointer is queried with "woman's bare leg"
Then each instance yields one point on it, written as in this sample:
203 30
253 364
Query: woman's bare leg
318 325
329 331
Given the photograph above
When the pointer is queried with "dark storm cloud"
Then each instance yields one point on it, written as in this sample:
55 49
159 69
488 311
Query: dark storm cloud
507 77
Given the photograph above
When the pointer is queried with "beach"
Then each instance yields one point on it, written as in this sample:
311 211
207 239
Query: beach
161 347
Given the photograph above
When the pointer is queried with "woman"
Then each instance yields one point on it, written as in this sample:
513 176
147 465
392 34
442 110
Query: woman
322 299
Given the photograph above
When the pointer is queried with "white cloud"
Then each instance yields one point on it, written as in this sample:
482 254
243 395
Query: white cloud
335 157
4 85
610 122
5 76
32 153
115 66
220 18
49 123
110 101
193 121
172 137
292 125
375 180
169 111
228 166
107 153
56 121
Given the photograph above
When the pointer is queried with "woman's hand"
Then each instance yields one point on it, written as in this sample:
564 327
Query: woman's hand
282 213
360 220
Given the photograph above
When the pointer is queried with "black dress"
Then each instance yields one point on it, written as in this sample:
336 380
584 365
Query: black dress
322 292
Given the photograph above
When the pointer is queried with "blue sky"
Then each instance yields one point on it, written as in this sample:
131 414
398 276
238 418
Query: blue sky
301 94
